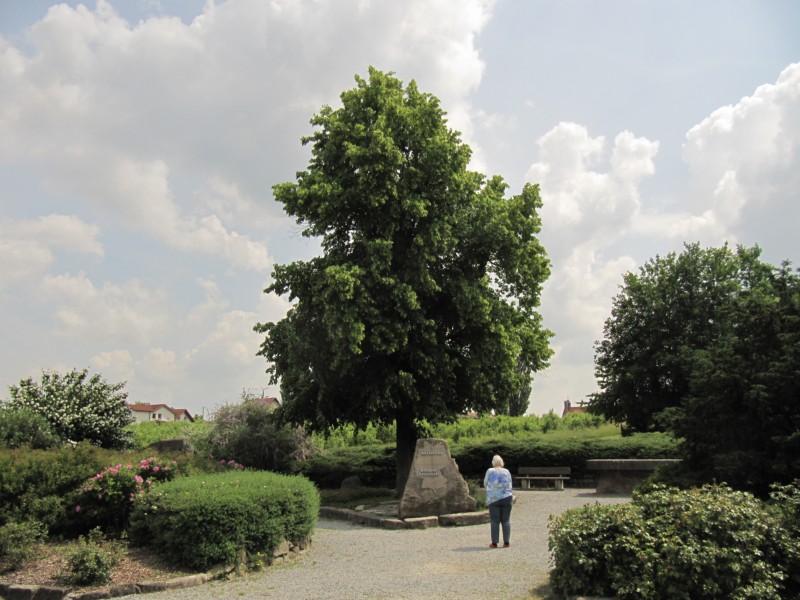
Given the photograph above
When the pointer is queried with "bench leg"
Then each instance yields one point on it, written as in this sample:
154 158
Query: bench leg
559 484
526 484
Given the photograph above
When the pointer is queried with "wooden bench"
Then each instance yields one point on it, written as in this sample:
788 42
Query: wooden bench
558 475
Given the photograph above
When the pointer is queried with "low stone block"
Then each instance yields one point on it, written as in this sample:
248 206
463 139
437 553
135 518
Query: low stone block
96 595
123 589
148 587
461 519
20 592
51 593
422 522
185 582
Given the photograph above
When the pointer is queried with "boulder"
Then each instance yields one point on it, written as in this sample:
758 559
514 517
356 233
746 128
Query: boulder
435 485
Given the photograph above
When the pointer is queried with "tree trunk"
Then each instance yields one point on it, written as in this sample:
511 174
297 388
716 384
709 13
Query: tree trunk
406 445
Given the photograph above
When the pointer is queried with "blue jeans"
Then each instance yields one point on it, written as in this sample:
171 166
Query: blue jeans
500 514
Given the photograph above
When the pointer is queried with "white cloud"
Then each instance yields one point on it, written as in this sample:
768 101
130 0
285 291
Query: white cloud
27 245
125 314
115 365
745 165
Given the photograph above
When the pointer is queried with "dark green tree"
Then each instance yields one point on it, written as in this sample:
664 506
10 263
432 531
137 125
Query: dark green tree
424 301
740 420
674 305
706 344
77 407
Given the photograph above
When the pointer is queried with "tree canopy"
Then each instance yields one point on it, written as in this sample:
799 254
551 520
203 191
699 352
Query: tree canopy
706 344
77 406
424 302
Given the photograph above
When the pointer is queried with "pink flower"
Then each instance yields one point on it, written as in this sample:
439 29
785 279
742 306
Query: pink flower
156 469
78 508
138 479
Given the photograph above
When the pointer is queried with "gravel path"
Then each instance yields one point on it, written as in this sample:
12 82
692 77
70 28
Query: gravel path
352 562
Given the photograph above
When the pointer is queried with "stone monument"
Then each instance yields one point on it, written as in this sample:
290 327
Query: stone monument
435 485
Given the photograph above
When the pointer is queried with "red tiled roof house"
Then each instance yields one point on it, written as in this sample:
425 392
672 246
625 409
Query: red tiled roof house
158 412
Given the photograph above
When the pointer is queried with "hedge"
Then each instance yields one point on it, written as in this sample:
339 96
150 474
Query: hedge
42 484
375 464
201 521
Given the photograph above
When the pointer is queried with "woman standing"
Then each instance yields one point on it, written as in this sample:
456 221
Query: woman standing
497 483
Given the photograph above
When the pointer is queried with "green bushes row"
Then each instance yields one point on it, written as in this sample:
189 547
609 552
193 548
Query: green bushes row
462 429
703 543
375 464
473 457
201 521
42 485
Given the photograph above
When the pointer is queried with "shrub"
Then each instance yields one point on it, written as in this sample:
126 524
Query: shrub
38 484
698 544
249 434
78 407
18 541
595 548
24 427
203 520
106 500
785 504
375 465
92 559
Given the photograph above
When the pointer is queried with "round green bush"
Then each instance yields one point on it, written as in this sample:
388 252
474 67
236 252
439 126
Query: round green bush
204 520
705 543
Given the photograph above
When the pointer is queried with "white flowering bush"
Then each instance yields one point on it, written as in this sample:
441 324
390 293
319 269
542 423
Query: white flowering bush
77 406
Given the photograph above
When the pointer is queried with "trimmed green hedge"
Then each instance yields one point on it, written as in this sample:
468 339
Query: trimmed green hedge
375 464
204 520
668 544
474 458
42 484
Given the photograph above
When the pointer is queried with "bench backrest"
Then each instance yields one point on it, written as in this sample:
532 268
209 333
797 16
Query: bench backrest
543 471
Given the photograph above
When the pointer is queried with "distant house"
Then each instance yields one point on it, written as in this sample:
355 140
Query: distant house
569 409
158 413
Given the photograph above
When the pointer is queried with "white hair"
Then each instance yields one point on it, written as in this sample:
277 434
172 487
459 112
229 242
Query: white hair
497 461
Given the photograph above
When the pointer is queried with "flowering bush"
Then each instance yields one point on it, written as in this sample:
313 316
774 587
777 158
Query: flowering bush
77 406
106 500
153 469
231 464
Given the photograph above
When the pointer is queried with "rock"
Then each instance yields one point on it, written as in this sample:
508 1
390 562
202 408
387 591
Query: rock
282 549
422 522
435 485
351 483
460 519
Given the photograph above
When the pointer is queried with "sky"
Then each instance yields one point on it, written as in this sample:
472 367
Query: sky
140 140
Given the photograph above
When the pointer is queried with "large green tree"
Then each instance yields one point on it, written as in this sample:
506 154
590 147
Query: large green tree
675 304
706 344
77 406
424 301
740 421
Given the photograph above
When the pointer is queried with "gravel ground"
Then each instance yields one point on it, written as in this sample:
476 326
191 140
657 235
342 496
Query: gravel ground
352 562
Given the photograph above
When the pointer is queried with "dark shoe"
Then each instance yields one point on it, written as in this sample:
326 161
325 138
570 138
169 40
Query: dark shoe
507 545
492 545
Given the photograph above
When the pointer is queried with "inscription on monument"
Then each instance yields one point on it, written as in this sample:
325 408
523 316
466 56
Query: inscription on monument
429 473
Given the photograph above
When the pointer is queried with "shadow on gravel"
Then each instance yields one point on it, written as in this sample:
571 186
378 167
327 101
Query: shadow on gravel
596 496
473 549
